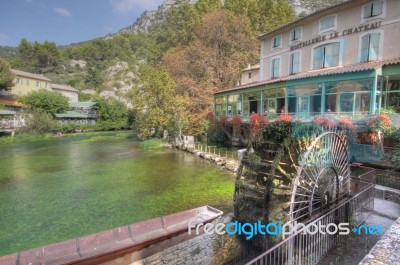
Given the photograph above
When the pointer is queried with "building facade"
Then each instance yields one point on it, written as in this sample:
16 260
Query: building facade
27 82
66 91
343 60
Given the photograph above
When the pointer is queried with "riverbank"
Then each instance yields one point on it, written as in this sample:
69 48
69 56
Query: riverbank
91 137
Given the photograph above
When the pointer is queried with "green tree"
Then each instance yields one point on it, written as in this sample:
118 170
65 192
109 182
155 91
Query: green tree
315 5
45 101
113 114
156 103
6 76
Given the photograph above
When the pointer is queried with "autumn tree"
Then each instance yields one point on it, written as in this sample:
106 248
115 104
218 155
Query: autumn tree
211 62
156 103
6 76
315 5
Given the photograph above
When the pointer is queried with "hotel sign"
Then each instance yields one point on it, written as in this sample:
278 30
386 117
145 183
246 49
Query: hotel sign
335 35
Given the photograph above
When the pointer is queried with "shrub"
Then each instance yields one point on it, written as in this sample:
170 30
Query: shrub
151 144
323 121
236 122
347 124
379 121
256 123
285 118
39 122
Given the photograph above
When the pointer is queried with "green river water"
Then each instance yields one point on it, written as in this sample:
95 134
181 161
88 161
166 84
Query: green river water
57 190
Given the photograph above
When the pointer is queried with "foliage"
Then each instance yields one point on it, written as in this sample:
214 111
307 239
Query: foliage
256 123
25 137
156 104
39 122
38 57
324 121
47 101
112 114
211 62
151 144
6 76
285 118
236 123
379 121
84 97
316 5
347 124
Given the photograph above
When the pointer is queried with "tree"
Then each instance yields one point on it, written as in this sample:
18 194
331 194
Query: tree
113 114
6 76
315 5
156 103
211 63
46 101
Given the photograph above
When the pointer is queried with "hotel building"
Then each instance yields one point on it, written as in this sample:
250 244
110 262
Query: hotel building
343 60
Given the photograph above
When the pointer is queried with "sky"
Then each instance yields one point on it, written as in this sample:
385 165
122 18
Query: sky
66 21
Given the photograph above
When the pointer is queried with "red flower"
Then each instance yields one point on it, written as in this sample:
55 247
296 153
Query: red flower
223 119
347 123
285 118
379 121
256 123
323 121
236 122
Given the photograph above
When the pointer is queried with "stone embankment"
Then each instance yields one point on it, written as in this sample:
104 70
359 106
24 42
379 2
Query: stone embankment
226 163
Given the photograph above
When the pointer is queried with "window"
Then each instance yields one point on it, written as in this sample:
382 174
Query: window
326 55
370 47
37 83
27 82
295 34
373 9
327 23
18 80
275 67
249 75
277 42
294 64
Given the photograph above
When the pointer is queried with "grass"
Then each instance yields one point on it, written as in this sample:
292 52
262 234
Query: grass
93 137
151 144
25 137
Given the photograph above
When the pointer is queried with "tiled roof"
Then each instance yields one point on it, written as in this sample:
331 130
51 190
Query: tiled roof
85 104
71 114
29 75
321 72
63 87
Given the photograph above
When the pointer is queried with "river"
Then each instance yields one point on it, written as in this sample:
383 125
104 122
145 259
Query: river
57 190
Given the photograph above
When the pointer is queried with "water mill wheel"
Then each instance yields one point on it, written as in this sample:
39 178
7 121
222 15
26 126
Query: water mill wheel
323 177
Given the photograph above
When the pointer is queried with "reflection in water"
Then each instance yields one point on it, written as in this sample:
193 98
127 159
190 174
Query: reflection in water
57 190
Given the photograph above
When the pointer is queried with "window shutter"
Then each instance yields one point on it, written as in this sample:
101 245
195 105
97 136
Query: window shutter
318 58
367 10
374 46
377 8
365 48
332 55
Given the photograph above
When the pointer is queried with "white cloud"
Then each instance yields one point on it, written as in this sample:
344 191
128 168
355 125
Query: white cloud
126 6
62 12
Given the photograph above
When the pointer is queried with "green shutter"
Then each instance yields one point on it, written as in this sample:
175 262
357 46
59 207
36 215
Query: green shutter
377 8
374 46
365 48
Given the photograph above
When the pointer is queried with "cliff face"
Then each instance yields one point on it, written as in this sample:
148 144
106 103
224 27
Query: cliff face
149 18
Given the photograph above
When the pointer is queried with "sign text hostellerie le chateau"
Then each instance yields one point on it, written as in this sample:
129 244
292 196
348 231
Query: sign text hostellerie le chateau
335 35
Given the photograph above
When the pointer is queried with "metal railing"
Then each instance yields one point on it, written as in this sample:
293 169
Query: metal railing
306 249
11 124
222 152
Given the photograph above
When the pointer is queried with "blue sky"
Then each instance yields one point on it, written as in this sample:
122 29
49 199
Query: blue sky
66 21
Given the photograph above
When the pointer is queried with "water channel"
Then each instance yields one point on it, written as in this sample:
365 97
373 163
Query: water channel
57 190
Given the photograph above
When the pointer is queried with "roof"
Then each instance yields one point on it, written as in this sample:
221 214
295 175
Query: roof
365 66
312 17
251 67
9 100
7 112
84 104
29 75
71 114
63 87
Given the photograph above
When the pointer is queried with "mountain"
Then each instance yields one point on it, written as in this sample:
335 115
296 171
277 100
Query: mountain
149 18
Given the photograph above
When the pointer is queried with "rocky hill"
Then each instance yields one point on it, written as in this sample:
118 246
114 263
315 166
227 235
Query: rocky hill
149 18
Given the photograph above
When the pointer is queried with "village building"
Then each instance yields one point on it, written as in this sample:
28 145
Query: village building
25 83
66 91
343 60
80 112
